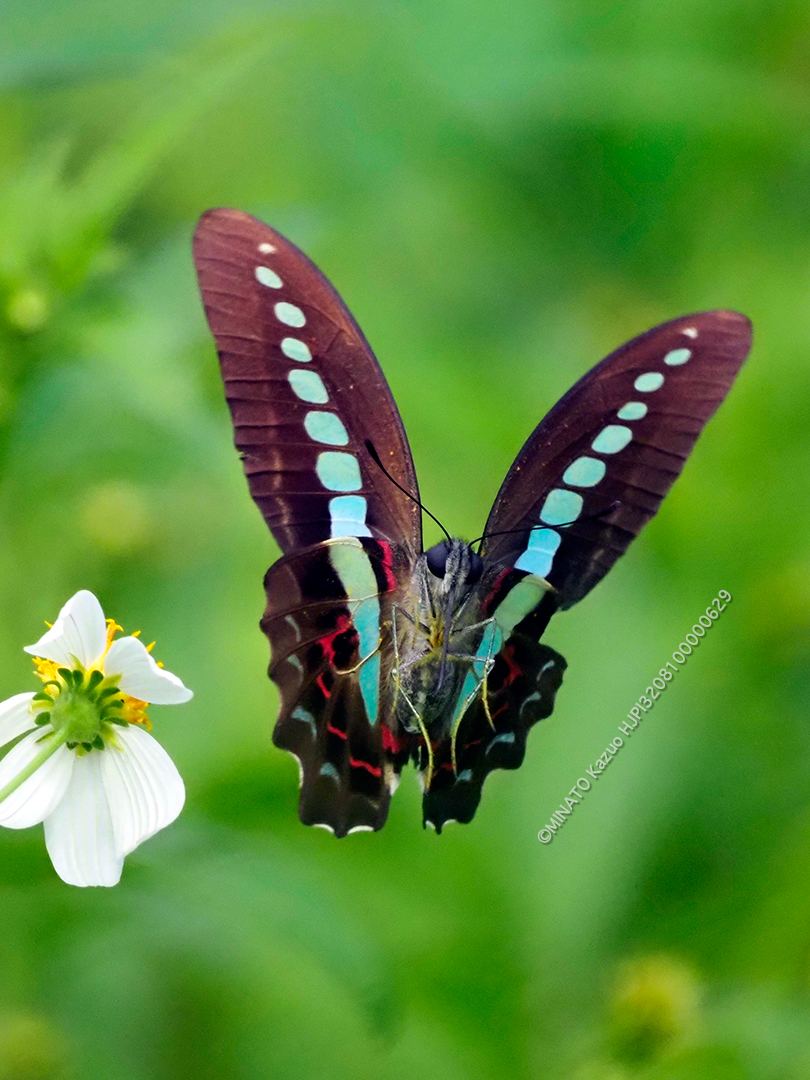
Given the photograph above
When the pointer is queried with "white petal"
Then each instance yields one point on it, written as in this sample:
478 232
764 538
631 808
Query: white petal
141 677
144 788
15 717
79 833
37 796
79 633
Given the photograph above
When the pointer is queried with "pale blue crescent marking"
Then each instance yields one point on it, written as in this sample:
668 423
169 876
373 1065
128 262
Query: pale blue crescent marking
612 439
308 386
504 737
649 381
348 516
540 552
633 410
584 472
289 314
305 717
296 663
329 770
338 471
548 664
294 625
296 350
325 427
464 777
561 507
268 277
356 574
536 696
677 357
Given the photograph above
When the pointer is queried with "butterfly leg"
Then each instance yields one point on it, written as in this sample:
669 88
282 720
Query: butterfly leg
395 640
399 690
360 662
488 662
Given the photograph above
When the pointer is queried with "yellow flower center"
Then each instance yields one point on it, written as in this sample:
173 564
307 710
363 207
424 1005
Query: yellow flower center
84 702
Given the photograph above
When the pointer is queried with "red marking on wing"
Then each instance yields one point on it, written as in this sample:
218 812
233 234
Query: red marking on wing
496 588
475 742
497 713
326 693
514 669
357 764
337 731
391 742
388 565
327 642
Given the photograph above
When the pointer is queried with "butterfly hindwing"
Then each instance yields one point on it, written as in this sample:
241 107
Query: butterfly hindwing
520 691
327 609
304 390
510 686
596 469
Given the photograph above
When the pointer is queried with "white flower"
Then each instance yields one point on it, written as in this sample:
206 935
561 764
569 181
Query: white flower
89 770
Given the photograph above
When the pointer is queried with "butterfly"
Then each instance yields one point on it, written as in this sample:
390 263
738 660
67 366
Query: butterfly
384 653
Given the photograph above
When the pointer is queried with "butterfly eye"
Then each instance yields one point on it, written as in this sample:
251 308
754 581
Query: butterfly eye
476 567
436 558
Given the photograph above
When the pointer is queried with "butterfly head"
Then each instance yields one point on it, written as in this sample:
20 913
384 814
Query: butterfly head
455 566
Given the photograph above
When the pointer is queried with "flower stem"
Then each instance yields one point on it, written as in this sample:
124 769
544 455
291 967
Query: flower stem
54 741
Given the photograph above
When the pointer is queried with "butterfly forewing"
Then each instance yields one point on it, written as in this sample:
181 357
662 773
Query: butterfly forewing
304 390
596 469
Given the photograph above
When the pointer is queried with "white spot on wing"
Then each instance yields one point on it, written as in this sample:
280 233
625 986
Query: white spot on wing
690 331
361 828
391 778
300 768
268 277
289 314
266 249
323 825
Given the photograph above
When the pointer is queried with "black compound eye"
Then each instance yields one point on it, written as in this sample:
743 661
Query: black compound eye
436 558
476 568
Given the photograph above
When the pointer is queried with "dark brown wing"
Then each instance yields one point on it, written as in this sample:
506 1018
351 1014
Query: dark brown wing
328 618
520 691
304 389
597 467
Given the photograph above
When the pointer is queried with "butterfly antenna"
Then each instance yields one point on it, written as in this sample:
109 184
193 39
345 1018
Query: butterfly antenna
563 525
375 457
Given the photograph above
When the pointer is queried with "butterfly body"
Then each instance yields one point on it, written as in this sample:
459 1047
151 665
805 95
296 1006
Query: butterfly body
436 634
385 653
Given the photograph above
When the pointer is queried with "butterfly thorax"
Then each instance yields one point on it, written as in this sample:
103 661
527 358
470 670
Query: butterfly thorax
436 637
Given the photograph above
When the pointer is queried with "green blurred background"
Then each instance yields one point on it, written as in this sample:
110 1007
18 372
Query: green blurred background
502 195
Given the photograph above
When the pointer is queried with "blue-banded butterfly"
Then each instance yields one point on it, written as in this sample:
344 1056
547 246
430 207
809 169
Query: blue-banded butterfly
384 653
